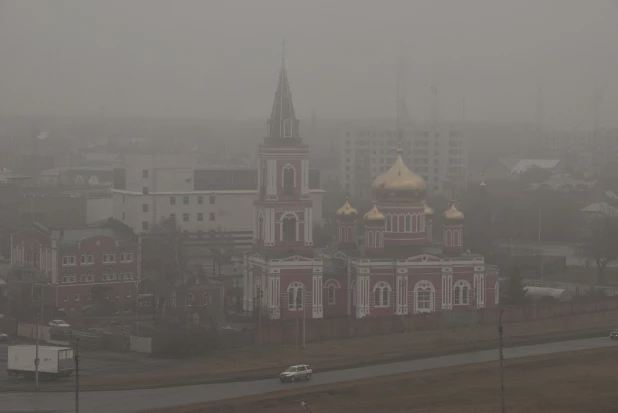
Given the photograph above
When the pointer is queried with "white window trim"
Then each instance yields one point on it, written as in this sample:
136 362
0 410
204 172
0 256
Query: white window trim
458 287
294 288
425 286
382 286
281 225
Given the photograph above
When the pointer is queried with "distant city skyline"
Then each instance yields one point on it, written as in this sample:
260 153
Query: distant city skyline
219 60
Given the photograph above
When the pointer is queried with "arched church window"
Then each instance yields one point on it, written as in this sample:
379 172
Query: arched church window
288 180
461 292
289 228
287 128
350 238
408 223
295 296
381 293
388 222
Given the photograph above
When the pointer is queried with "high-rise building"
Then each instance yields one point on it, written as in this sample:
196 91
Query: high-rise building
437 153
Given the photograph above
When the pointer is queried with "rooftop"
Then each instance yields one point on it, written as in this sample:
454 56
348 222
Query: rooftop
108 229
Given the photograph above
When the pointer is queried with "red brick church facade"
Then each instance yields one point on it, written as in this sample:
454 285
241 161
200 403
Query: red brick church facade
394 269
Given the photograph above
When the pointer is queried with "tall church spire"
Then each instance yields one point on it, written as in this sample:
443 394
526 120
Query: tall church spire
282 123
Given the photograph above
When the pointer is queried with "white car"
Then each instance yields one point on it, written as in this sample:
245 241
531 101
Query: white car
3 337
59 324
298 372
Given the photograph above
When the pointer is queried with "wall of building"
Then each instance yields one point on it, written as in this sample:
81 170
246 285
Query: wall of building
98 209
9 213
53 211
233 210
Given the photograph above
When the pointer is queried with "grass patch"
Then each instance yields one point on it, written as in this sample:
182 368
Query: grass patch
250 363
582 381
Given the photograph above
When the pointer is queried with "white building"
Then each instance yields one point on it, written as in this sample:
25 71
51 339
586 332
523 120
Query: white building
149 188
438 154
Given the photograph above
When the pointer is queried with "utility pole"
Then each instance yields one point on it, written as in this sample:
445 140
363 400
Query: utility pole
500 329
260 317
539 219
77 376
36 357
296 310
304 320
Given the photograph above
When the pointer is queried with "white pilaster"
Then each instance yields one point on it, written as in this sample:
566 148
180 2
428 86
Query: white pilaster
271 173
447 288
274 285
309 220
362 286
255 223
318 309
399 292
479 288
304 190
306 226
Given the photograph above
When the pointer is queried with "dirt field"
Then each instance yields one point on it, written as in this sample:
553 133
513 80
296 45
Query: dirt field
578 382
267 361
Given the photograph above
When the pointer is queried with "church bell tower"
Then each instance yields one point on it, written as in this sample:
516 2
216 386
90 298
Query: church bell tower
283 208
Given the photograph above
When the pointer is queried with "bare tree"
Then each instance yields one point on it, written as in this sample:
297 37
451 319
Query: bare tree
162 258
601 244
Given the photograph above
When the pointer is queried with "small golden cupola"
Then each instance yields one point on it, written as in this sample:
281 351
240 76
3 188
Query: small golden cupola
428 209
453 214
374 214
399 181
347 210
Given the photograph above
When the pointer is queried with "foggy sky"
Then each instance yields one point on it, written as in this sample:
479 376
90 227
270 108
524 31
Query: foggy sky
220 58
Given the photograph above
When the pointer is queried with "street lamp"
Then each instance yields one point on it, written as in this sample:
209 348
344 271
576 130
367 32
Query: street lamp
305 406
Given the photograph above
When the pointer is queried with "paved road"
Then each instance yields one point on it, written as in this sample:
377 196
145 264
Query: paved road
131 401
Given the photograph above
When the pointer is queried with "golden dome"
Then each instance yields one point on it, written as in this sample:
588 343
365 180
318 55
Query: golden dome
347 210
428 210
453 213
374 214
400 178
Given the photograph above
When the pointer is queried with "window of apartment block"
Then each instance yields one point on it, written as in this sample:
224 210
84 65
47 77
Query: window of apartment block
145 225
212 200
145 190
200 216
212 216
123 216
77 297
200 200
145 173
173 216
68 259
109 257
185 217
172 200
144 207
185 200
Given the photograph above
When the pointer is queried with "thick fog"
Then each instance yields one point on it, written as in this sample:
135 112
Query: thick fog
219 59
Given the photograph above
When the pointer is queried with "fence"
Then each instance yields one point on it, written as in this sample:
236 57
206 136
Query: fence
286 332
575 289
